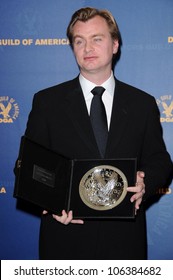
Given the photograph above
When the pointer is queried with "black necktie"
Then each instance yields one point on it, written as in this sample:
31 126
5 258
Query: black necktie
99 119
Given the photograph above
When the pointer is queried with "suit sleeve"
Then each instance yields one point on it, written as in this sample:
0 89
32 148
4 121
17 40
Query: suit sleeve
155 160
37 125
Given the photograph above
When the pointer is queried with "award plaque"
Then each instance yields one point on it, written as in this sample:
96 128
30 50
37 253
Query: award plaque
92 188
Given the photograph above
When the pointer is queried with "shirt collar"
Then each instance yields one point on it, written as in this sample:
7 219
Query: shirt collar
87 86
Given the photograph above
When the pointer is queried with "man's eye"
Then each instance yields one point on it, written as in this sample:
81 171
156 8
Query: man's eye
78 42
97 39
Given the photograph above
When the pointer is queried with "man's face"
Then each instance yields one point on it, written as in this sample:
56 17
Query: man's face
93 46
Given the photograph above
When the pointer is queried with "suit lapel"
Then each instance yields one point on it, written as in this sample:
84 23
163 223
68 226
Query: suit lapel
119 120
77 112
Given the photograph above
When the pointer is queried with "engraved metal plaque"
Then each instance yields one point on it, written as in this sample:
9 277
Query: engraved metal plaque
103 187
43 176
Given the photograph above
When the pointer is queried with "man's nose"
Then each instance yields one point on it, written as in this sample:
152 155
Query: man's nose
88 46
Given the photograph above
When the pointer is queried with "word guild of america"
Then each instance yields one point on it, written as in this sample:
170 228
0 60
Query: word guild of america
9 109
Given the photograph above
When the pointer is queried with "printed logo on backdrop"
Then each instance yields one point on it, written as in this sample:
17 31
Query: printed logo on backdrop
165 103
29 24
29 21
2 190
4 185
9 109
170 39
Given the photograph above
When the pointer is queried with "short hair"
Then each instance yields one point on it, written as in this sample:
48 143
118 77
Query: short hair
84 14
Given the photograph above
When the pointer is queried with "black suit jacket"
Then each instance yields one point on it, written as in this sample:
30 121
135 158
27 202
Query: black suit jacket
59 120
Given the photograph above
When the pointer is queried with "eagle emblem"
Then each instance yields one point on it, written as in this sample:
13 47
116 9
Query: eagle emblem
4 111
167 109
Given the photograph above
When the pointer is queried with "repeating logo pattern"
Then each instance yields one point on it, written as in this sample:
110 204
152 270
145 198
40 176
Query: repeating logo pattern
9 109
29 21
165 104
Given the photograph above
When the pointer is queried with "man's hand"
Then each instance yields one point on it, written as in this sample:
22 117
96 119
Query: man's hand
65 218
139 190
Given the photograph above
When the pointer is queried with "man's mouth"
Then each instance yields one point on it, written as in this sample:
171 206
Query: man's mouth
88 58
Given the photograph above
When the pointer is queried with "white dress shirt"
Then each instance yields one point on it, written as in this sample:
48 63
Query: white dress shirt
107 96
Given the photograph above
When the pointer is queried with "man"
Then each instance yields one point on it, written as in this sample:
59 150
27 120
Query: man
60 120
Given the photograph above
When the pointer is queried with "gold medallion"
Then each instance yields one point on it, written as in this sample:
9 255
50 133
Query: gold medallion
103 187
